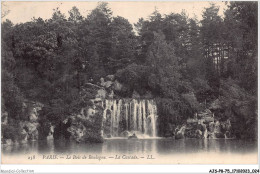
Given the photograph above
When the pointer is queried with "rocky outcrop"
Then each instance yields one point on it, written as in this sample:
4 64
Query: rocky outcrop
205 126
180 133
238 107
232 115
83 127
61 130
77 131
4 118
30 129
135 95
25 130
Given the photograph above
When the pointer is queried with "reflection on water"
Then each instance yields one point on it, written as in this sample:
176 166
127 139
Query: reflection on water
135 146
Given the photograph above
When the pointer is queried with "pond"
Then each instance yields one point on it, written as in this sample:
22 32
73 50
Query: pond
162 150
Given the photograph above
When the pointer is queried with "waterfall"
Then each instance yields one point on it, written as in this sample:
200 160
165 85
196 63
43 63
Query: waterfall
132 115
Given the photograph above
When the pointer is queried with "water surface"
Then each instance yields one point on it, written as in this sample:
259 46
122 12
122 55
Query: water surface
136 146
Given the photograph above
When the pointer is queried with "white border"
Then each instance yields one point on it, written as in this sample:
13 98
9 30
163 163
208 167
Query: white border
127 168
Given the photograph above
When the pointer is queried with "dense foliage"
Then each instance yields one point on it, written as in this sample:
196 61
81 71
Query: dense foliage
51 60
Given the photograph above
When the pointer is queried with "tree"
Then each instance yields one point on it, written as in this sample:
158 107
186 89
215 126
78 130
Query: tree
195 60
164 64
241 28
100 33
75 15
123 44
12 97
211 25
57 15
211 35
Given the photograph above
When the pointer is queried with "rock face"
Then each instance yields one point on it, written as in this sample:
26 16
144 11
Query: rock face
180 133
24 131
117 86
87 125
110 83
30 130
31 126
125 134
77 131
232 115
204 126
83 127
91 126
4 118
135 95
238 107
101 93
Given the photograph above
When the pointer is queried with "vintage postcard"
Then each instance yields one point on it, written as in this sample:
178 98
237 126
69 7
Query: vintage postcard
171 82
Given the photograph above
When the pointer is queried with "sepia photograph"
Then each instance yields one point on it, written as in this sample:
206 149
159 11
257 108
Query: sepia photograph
152 82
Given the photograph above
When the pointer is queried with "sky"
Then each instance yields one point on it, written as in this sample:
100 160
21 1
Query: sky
20 12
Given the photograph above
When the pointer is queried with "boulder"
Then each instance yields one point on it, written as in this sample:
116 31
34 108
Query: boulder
4 118
33 116
227 134
125 134
50 135
211 135
102 81
205 134
198 133
201 126
105 84
31 129
135 95
24 137
192 120
217 127
190 133
110 77
211 127
108 84
101 94
90 112
219 135
111 95
179 135
208 119
117 86
226 125
148 95
77 132
8 142
205 113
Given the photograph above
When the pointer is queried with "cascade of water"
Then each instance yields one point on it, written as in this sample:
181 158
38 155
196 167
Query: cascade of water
152 114
130 116
134 115
118 116
126 116
140 121
113 125
144 118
